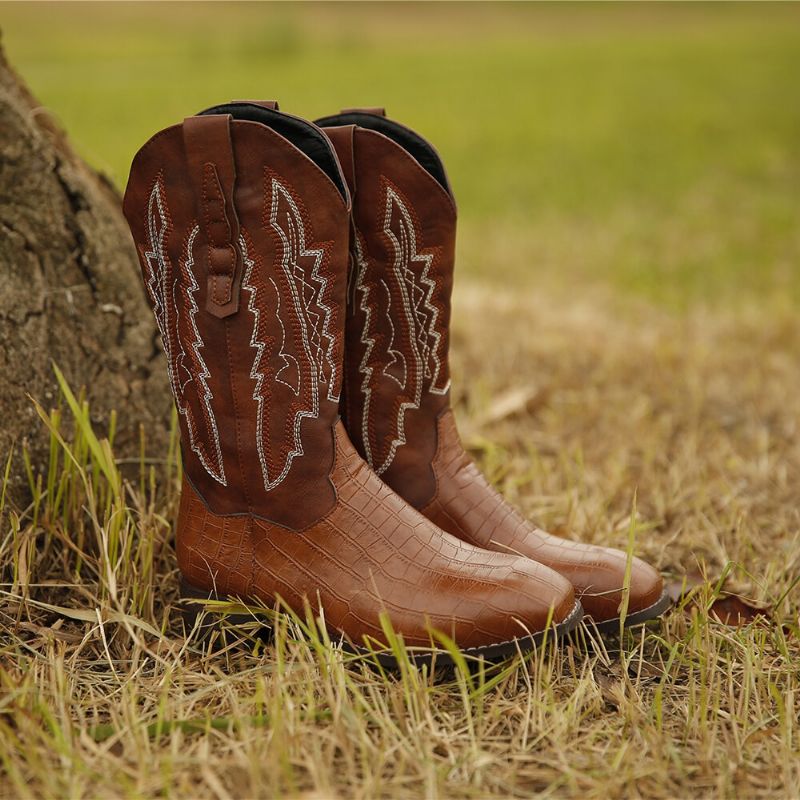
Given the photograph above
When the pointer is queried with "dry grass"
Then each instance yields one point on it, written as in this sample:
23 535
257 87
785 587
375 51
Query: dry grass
653 147
690 421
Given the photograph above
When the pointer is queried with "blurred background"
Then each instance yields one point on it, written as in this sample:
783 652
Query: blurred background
650 150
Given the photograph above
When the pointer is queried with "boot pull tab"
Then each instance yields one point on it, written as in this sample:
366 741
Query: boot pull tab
209 154
341 138
270 104
376 111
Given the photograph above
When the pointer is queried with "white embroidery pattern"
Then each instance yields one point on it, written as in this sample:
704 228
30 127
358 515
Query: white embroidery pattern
156 265
158 270
396 356
421 317
289 361
404 251
369 343
426 315
180 361
258 375
293 237
306 307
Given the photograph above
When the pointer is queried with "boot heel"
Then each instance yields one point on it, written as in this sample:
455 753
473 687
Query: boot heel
229 627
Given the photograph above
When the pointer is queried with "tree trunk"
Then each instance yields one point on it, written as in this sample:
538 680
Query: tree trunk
71 290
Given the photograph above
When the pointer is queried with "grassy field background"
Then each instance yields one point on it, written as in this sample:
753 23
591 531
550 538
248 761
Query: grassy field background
629 270
653 148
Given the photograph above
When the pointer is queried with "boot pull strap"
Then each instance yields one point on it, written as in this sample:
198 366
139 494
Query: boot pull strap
209 154
270 104
342 140
376 111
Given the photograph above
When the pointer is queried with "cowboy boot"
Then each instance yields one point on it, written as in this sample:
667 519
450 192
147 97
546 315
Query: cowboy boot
240 216
396 399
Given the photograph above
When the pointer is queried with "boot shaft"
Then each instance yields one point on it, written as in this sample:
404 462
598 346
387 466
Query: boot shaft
397 375
240 220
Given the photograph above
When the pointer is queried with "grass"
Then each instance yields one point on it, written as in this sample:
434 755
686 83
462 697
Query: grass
625 362
105 693
652 148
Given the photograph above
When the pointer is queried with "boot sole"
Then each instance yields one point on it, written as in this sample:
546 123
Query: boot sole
610 626
192 607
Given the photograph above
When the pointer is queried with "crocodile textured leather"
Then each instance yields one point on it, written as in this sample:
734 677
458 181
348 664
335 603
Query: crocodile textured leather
372 551
396 400
241 221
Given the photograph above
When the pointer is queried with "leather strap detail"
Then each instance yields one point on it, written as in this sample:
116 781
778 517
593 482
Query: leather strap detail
209 156
270 104
376 111
342 139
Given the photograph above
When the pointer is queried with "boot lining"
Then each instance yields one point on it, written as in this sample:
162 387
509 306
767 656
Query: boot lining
303 135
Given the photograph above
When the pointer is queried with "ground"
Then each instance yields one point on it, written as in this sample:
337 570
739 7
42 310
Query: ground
625 359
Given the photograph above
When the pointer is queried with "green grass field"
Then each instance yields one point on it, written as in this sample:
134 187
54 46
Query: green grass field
629 266
653 148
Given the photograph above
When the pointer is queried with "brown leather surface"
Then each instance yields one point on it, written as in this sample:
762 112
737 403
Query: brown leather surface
209 156
398 314
371 552
468 506
342 139
403 253
276 500
247 430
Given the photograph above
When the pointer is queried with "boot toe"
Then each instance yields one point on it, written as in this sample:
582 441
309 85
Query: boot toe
647 586
601 592
532 598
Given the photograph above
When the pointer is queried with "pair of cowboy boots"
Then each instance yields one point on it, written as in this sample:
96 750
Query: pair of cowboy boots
300 275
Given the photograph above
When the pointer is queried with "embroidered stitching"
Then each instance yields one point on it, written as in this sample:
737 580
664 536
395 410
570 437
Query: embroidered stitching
368 342
207 395
311 317
257 373
425 311
295 240
158 269
396 356
405 280
286 357
421 316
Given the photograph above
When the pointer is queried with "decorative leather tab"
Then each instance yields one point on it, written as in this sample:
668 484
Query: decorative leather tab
376 111
342 139
270 104
209 156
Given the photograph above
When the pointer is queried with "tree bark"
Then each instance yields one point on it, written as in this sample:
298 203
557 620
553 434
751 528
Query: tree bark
71 291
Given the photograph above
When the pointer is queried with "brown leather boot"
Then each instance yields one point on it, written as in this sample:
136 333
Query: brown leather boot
396 402
241 217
